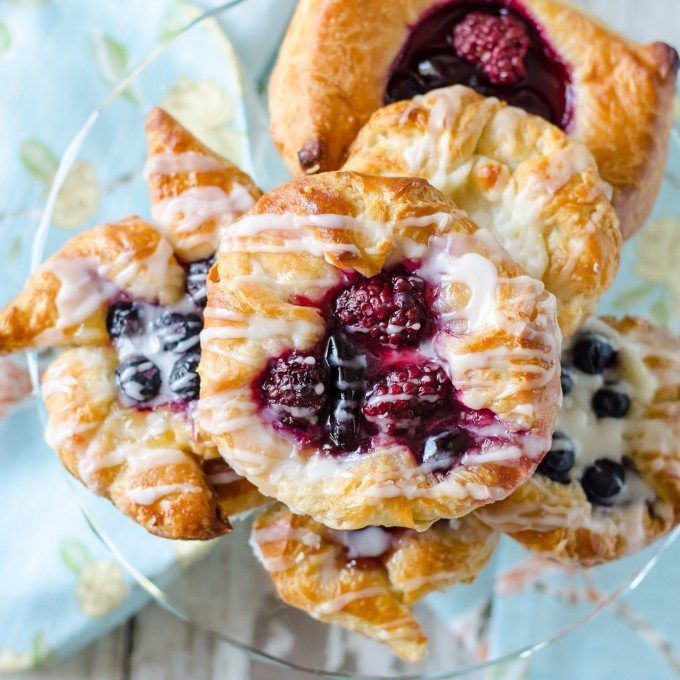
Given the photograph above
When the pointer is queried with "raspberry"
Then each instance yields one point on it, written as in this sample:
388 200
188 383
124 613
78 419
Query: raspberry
405 395
390 309
295 389
496 44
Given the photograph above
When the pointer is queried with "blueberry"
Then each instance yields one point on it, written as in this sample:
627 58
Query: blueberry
566 381
138 378
347 371
122 320
179 332
196 281
593 354
603 480
184 380
403 86
444 449
438 70
608 403
559 460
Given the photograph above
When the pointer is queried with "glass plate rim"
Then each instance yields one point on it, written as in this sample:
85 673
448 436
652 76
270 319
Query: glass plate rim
66 161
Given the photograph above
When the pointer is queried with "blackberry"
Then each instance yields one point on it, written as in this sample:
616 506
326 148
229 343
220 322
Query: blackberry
405 395
389 309
294 388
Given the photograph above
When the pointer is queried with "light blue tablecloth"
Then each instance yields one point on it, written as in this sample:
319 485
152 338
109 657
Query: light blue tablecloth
59 586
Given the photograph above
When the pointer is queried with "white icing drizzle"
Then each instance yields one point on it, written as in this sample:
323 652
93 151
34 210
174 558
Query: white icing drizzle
144 459
86 283
257 327
179 163
292 232
280 531
368 542
193 207
418 582
147 495
146 277
514 207
451 260
223 478
341 601
82 290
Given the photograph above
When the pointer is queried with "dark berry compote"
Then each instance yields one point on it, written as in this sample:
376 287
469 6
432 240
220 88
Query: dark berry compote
494 47
158 347
375 380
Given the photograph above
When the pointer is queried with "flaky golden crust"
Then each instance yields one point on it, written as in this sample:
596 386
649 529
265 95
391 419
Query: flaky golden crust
449 552
195 193
311 570
558 520
65 301
145 462
538 191
291 245
152 462
335 59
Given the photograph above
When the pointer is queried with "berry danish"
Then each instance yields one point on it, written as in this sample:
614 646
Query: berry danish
366 580
611 483
195 193
538 191
343 59
372 358
121 402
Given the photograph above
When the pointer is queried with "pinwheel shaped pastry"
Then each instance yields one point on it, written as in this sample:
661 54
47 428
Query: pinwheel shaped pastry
121 400
343 59
371 357
538 191
195 193
611 483
367 580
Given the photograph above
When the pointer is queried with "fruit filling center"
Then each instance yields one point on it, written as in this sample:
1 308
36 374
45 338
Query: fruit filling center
589 446
158 347
375 380
494 48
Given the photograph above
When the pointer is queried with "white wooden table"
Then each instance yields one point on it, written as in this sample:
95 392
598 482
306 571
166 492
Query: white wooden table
155 645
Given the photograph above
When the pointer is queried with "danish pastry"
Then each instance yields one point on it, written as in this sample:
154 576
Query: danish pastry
120 403
343 59
366 580
370 357
611 482
195 193
538 191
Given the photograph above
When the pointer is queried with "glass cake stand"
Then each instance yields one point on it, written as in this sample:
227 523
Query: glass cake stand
517 606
